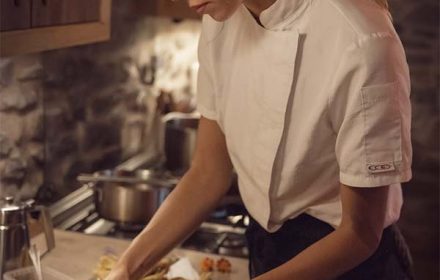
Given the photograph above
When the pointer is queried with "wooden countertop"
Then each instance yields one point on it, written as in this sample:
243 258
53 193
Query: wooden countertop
77 254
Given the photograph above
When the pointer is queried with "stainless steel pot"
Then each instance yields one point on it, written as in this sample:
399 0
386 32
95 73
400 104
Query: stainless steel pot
128 197
180 140
14 232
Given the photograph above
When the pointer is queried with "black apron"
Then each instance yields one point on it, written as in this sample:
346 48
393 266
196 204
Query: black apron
391 261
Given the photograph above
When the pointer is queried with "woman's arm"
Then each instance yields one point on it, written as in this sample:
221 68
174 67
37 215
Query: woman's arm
186 207
357 238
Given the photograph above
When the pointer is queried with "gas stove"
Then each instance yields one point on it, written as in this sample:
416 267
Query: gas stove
222 233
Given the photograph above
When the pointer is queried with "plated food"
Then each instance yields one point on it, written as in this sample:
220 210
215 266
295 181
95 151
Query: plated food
221 265
209 268
224 266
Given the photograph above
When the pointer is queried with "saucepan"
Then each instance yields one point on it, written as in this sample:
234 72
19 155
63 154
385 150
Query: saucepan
128 197
180 140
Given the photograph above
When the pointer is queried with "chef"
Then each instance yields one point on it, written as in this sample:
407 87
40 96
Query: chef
308 100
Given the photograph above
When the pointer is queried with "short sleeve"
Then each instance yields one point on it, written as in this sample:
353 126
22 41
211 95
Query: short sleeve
371 114
206 101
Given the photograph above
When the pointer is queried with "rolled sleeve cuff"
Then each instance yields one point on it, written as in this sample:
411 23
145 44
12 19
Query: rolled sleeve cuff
376 180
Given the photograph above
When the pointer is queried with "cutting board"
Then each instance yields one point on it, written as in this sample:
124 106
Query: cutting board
77 254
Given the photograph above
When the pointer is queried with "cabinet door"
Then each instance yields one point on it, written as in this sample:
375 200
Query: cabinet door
61 12
165 8
177 9
15 14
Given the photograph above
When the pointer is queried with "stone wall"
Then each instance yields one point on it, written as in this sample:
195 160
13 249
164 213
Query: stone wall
87 108
417 23
21 126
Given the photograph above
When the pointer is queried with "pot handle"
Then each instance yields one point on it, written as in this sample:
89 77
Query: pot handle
86 178
41 214
90 185
47 226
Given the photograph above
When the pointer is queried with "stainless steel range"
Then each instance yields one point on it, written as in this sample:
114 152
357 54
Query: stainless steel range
222 233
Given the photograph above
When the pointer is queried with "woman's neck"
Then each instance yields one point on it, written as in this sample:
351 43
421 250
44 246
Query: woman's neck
257 6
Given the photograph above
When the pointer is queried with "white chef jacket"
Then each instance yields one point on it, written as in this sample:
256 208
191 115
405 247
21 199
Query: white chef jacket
316 96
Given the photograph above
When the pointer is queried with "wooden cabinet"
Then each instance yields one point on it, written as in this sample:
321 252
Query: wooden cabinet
60 12
37 25
165 8
15 14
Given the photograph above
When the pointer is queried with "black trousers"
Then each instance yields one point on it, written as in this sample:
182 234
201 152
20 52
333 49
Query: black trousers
267 251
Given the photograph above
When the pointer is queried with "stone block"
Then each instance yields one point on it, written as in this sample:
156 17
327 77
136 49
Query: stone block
6 146
35 151
116 72
104 104
105 158
58 120
2 167
11 125
61 146
28 191
28 67
71 70
101 134
6 71
75 108
14 170
34 125
34 181
17 97
8 189
76 167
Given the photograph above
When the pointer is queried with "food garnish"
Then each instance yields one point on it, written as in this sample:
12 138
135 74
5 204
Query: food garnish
207 265
223 265
208 268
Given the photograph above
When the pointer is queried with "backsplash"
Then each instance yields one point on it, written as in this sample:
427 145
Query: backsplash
88 108
21 126
417 24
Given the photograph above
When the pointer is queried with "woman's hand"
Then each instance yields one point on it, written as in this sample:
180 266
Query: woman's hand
119 272
197 194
